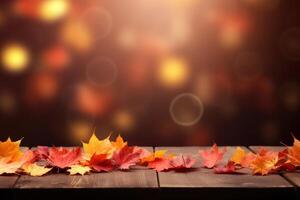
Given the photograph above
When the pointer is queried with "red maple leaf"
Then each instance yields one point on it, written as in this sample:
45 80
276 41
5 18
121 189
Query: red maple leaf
283 162
229 168
42 152
160 164
63 157
182 162
100 162
126 157
212 156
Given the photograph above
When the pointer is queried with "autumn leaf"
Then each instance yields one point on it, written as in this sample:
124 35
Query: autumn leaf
283 162
212 156
238 155
101 162
42 152
229 168
63 157
264 162
29 157
159 161
79 169
96 146
9 168
248 158
294 153
126 157
182 162
148 157
35 170
160 164
119 143
10 151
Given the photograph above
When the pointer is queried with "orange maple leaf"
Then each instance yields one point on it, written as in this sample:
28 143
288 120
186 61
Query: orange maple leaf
294 153
119 143
96 146
10 151
264 162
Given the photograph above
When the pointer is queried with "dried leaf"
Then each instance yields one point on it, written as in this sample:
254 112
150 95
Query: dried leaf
9 168
10 151
238 155
212 156
119 143
264 162
35 170
246 161
64 157
126 157
229 168
79 169
101 162
182 162
96 146
294 153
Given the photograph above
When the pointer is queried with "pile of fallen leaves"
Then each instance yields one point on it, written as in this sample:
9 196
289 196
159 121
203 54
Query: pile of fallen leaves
106 155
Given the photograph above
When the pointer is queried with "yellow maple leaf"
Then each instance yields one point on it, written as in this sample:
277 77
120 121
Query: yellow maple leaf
10 151
119 143
9 168
238 155
96 146
264 164
35 170
153 156
79 169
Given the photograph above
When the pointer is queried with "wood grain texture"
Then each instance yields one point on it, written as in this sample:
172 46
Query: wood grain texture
205 178
294 177
138 177
8 181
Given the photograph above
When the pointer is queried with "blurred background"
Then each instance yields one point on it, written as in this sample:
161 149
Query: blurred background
158 72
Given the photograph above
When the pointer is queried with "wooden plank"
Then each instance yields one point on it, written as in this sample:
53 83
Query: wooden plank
294 177
204 181
138 177
8 181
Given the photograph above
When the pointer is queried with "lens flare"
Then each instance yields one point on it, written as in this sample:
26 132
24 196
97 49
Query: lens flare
173 72
101 72
186 109
15 58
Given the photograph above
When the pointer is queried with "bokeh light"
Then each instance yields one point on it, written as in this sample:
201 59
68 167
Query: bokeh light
80 130
75 35
7 103
186 109
173 72
146 68
52 10
123 120
15 57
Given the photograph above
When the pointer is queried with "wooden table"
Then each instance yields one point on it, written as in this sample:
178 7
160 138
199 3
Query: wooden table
142 183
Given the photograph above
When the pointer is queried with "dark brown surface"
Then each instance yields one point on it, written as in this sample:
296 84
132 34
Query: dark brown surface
294 177
205 178
8 181
139 177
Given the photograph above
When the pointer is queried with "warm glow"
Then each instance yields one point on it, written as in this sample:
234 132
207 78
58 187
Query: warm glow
15 58
51 10
123 120
76 35
173 72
